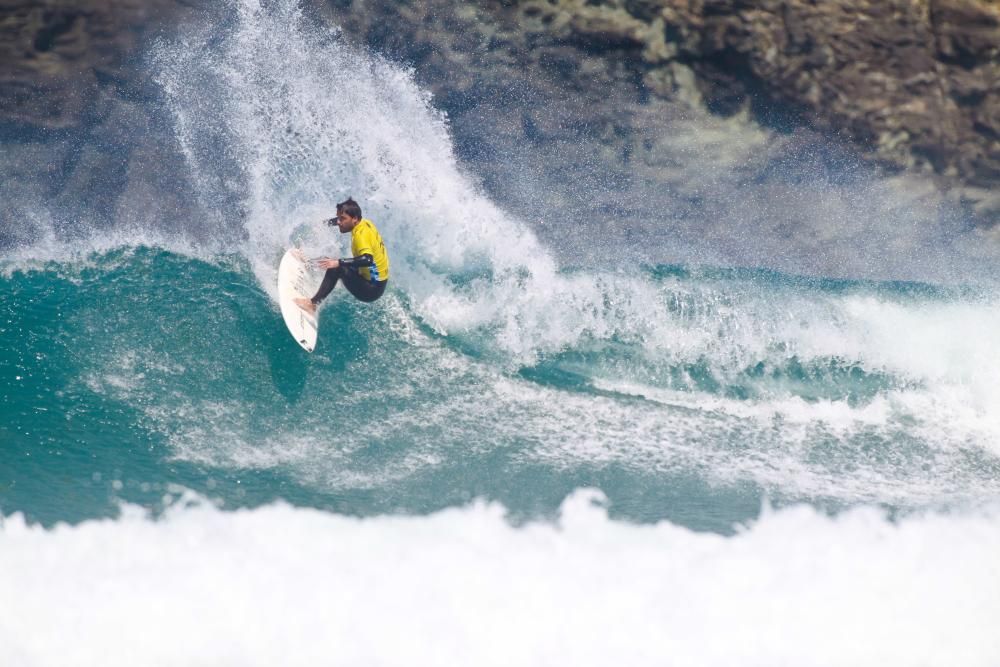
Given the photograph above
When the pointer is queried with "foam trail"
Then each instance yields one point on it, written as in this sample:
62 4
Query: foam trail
279 585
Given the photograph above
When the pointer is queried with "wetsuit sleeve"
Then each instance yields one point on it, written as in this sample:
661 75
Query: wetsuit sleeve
358 262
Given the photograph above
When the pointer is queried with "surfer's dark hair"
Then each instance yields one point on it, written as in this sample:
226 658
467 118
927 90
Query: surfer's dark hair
350 207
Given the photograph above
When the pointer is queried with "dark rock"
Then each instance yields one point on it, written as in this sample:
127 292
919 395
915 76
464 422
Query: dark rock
911 85
70 124
593 99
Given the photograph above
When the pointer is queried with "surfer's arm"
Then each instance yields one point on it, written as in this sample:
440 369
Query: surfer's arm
350 262
358 262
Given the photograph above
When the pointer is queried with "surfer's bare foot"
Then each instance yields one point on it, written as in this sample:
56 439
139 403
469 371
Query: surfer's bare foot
306 305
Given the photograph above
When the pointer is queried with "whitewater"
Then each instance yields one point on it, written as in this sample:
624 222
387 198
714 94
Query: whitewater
516 456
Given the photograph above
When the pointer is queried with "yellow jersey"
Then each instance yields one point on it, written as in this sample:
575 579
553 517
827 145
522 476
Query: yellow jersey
365 240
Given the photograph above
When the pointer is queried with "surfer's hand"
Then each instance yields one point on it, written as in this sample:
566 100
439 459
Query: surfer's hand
328 263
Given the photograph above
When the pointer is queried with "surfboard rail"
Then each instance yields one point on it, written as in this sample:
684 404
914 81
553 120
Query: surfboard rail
295 280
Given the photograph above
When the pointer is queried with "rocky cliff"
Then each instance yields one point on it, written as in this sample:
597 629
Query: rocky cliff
77 130
595 93
912 86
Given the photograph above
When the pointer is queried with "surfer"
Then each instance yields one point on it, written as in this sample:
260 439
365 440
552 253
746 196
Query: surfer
366 273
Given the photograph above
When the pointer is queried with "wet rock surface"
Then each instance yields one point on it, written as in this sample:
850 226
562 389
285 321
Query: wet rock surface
626 109
77 113
912 87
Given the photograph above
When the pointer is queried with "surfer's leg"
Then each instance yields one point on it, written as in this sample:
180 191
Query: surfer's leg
363 290
329 282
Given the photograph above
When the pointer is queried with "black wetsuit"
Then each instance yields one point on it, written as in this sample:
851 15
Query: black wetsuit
363 290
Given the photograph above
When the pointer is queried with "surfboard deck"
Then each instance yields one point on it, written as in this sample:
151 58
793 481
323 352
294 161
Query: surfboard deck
295 280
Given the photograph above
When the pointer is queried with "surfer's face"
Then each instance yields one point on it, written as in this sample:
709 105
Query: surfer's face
345 223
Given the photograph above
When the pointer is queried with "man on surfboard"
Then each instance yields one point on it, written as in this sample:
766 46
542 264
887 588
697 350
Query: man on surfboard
366 273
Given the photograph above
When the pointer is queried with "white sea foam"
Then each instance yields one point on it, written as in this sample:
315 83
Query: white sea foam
436 406
279 585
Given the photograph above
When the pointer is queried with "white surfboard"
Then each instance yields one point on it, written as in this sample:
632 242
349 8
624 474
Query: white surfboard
295 280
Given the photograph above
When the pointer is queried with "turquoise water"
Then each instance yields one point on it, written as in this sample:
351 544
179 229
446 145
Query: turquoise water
140 371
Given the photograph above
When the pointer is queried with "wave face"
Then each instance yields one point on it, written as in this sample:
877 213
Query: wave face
137 366
669 389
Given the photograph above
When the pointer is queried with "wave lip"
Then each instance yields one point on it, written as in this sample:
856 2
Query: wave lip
280 585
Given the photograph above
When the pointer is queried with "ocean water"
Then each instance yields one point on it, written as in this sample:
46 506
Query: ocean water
510 459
